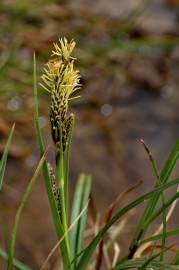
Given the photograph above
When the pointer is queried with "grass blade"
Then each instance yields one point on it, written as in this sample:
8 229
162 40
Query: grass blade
19 212
92 246
108 215
19 265
159 236
153 217
175 260
136 264
151 258
57 245
81 197
76 205
164 177
4 157
165 206
170 163
157 175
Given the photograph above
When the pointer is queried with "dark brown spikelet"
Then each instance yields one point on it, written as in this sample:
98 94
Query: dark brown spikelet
55 189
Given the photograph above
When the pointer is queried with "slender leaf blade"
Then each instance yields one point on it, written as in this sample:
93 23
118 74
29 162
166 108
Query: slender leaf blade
159 236
164 177
19 212
136 264
19 265
88 252
4 156
81 197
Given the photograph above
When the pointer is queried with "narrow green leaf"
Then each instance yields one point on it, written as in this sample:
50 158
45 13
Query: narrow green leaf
81 197
19 213
158 181
19 265
170 163
175 260
161 209
76 206
151 258
57 245
83 220
92 246
164 176
136 264
4 157
159 236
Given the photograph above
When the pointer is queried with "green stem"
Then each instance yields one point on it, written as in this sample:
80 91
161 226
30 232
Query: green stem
61 185
54 210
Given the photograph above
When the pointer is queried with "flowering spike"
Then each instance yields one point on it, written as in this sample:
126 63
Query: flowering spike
61 80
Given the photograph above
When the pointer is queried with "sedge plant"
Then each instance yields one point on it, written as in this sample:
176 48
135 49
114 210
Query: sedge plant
61 80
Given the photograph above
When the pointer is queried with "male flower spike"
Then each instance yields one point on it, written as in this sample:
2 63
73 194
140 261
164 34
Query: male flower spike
61 80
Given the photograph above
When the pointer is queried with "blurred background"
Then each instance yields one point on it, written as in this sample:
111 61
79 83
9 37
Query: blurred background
128 56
